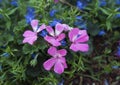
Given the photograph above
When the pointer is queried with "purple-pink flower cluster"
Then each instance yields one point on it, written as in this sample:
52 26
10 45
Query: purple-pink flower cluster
77 39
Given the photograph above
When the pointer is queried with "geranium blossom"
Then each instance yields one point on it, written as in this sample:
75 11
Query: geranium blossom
78 39
31 36
56 36
58 60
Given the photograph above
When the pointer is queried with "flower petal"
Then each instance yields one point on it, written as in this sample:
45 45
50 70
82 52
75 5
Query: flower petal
83 36
73 34
30 40
56 1
60 37
66 27
30 37
42 27
58 29
50 30
49 63
63 61
34 24
62 52
79 47
52 41
52 51
59 68
29 33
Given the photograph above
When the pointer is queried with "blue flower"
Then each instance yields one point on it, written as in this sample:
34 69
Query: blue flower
0 1
79 17
106 82
115 67
30 10
80 22
80 5
102 3
101 33
54 22
5 55
33 55
117 16
63 42
61 82
30 15
118 52
118 2
3 47
52 12
14 3
43 33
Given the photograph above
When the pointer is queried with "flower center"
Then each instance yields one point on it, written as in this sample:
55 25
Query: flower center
57 55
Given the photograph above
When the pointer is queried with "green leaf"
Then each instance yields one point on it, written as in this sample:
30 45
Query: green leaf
28 49
11 11
105 11
108 24
5 39
8 24
93 28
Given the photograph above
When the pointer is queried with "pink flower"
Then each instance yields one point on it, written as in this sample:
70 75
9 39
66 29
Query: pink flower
78 39
58 60
66 27
56 1
31 36
56 36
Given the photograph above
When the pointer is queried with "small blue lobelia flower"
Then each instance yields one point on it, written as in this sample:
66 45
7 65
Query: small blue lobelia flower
117 2
3 47
54 22
0 1
118 52
117 16
80 5
30 15
61 82
79 17
80 22
5 55
115 67
102 3
101 33
14 3
106 82
30 10
33 55
43 33
52 12
29 18
63 42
